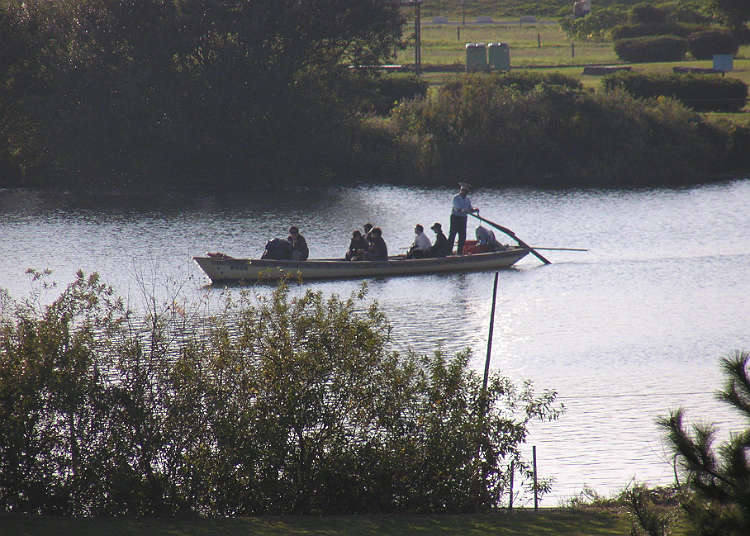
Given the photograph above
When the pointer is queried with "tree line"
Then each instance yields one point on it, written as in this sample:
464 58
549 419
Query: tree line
231 95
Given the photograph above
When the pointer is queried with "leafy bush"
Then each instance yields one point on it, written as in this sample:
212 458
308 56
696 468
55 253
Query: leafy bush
595 25
270 405
651 48
703 45
626 31
699 91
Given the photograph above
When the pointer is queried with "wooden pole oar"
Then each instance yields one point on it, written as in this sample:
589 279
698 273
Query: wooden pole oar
513 236
559 249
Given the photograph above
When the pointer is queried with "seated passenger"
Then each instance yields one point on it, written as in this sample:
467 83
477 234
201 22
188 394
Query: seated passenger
357 246
421 246
486 238
277 249
300 252
441 248
377 251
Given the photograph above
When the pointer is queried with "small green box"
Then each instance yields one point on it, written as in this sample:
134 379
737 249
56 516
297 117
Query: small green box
498 55
476 57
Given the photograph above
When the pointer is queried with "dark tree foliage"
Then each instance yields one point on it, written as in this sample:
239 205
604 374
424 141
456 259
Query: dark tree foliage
647 14
719 477
111 90
735 13
271 405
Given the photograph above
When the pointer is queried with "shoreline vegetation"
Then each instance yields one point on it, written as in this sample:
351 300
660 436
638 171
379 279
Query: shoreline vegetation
92 100
267 404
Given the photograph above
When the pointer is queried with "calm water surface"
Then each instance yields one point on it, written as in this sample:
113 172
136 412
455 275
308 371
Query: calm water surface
624 332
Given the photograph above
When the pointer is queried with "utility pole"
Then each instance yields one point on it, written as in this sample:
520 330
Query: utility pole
417 32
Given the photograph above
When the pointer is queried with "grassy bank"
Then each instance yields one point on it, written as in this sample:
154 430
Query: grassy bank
588 522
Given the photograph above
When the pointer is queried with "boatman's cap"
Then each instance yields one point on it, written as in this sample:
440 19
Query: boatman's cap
436 227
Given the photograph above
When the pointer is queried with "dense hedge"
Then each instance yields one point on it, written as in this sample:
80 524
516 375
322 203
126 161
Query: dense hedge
647 14
651 48
703 45
554 135
271 405
520 80
702 92
383 93
626 31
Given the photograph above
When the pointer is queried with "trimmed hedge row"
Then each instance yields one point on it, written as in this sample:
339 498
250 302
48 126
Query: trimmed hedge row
651 48
701 92
703 45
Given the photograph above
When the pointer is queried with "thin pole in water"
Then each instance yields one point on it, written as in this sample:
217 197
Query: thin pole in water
489 338
536 495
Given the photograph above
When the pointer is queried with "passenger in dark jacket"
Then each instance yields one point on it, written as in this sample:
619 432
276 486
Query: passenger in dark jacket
441 247
357 246
377 251
300 252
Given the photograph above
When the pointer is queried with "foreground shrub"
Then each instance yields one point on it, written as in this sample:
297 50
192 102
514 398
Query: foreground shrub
703 45
699 91
651 48
272 405
554 135
719 478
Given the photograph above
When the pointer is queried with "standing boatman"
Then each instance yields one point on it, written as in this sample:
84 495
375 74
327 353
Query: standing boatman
459 214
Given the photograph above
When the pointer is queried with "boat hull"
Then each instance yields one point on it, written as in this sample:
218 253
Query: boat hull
228 269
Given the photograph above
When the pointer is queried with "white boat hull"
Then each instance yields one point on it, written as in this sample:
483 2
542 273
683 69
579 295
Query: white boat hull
227 269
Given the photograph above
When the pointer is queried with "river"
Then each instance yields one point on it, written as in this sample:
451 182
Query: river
624 332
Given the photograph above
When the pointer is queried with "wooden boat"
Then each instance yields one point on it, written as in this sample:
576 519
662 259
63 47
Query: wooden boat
222 268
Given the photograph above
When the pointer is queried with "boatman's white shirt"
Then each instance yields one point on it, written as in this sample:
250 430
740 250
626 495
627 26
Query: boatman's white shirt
461 205
421 242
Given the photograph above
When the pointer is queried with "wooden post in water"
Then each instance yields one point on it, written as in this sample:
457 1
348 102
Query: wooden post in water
572 50
489 338
536 495
510 499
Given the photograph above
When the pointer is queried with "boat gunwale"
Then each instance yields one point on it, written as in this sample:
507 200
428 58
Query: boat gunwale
358 269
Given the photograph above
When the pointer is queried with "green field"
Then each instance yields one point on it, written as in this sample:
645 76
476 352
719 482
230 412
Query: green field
558 522
541 44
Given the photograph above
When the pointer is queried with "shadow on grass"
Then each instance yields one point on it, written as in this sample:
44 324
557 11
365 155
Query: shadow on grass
521 523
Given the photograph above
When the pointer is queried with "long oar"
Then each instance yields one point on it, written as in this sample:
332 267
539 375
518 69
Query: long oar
513 236
559 249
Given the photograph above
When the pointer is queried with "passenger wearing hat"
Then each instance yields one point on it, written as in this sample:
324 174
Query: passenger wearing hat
441 247
459 214
299 244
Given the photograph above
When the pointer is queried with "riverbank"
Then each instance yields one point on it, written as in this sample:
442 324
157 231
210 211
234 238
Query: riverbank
561 522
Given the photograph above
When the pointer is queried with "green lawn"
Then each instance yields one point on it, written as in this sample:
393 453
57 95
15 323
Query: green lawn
558 522
442 46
